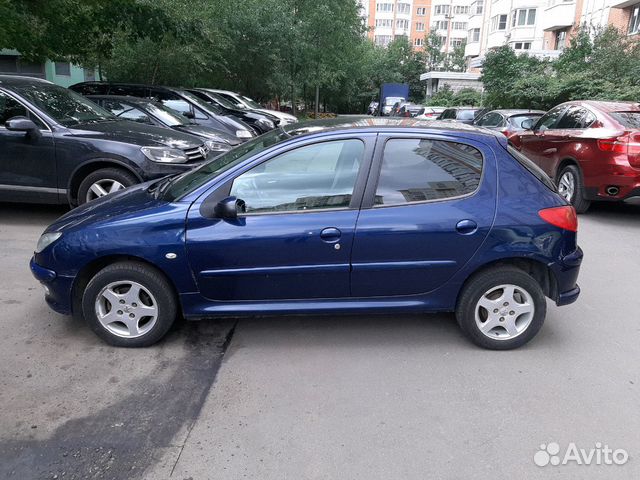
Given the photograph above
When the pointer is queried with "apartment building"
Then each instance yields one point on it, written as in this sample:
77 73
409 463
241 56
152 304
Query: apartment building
450 21
540 27
390 19
563 18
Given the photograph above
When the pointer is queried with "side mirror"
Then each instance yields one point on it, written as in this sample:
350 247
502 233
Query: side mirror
20 124
229 208
189 115
528 124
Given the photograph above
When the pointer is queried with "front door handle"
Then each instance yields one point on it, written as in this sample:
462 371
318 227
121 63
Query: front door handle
466 227
330 234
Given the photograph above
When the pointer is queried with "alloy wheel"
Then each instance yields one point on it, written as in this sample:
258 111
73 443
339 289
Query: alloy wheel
504 312
103 187
126 309
567 186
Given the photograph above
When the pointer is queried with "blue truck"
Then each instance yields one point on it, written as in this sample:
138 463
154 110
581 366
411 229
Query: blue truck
390 93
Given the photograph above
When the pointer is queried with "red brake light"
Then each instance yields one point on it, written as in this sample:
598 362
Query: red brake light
628 144
564 217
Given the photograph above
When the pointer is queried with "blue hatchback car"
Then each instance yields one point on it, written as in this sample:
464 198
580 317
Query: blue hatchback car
372 215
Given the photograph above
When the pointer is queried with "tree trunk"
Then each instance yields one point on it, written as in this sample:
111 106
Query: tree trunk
316 106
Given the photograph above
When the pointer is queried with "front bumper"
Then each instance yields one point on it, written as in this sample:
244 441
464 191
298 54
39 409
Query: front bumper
57 288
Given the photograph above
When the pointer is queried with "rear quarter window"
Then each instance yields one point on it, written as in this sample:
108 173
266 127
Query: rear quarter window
532 168
627 119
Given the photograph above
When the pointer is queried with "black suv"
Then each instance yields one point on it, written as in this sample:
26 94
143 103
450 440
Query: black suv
57 147
177 99
259 121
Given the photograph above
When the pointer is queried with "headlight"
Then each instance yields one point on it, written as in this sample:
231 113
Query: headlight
47 239
243 134
217 146
164 154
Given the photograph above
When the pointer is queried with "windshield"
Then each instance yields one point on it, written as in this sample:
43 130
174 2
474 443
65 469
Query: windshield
167 115
393 100
222 101
207 107
252 103
63 105
189 181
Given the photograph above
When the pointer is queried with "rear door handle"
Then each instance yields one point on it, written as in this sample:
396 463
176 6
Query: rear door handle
466 227
330 234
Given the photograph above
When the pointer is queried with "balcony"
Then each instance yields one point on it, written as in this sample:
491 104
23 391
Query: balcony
472 49
559 16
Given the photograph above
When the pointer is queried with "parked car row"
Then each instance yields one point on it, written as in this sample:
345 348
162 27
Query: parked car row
57 146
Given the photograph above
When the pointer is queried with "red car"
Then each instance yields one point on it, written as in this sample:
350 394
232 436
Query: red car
590 148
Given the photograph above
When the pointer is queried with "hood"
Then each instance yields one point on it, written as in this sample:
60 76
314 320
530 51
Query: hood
232 123
136 133
208 133
132 199
288 118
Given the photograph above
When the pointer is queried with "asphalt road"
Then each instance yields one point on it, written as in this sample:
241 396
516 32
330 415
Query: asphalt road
357 397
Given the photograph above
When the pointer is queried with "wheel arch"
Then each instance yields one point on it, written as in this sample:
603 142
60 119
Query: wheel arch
91 166
87 272
565 162
536 269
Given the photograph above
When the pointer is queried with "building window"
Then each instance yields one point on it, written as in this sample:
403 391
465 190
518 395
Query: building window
422 11
522 46
63 68
461 10
477 7
441 10
474 35
404 8
441 25
89 74
634 21
499 22
523 17
384 7
402 24
459 25
456 42
420 27
382 40
384 22
418 42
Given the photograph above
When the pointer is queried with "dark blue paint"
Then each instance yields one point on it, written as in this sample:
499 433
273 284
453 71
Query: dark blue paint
391 258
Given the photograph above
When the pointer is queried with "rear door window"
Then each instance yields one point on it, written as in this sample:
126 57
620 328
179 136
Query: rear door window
418 170
492 119
572 119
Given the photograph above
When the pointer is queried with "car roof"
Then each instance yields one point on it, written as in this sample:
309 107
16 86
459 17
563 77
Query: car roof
608 106
374 124
516 111
124 98
18 80
128 84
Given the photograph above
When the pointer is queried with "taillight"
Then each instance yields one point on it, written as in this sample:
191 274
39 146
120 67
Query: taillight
628 144
407 114
564 217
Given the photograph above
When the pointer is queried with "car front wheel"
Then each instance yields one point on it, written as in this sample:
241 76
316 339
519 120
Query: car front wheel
129 304
501 308
103 182
571 188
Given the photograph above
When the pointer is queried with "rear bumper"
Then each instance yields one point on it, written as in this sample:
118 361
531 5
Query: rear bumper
566 273
625 180
57 288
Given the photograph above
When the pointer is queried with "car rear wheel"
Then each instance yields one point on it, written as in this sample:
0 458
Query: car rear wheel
103 182
129 304
571 188
501 308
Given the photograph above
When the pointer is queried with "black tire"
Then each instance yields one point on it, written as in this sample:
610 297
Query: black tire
578 200
104 174
482 283
162 295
